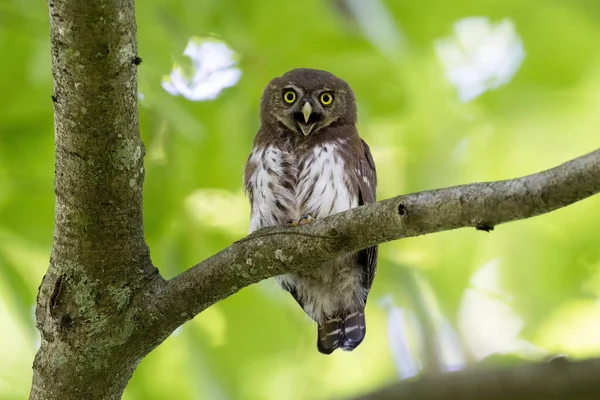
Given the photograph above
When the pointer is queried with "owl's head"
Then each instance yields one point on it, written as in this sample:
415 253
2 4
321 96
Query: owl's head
308 100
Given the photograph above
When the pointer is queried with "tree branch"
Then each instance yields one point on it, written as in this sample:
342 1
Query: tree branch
558 379
273 251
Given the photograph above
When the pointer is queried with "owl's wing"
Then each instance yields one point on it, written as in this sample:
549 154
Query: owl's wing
250 189
367 185
248 172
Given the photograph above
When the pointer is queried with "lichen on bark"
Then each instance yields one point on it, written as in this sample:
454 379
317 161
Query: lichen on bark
99 258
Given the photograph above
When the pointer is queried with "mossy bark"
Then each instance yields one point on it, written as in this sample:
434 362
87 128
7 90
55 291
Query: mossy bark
86 309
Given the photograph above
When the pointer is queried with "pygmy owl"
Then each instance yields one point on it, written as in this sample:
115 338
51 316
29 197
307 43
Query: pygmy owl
309 162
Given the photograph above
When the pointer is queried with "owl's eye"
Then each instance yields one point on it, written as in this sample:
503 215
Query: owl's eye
289 96
326 98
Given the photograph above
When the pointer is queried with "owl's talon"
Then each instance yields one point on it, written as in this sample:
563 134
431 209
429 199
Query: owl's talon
292 222
305 219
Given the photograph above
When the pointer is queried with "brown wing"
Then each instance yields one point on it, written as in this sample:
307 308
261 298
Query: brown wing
367 185
249 168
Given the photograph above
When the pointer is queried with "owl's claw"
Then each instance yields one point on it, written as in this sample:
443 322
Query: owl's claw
305 219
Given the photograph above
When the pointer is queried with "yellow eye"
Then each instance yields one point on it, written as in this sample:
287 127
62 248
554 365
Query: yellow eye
289 96
326 98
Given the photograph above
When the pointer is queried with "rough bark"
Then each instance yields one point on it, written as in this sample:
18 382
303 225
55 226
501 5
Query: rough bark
102 306
86 303
556 380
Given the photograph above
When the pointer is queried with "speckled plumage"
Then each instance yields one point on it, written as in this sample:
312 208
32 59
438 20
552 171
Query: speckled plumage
291 173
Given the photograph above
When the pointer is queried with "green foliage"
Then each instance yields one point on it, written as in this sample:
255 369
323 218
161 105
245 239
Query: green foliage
258 344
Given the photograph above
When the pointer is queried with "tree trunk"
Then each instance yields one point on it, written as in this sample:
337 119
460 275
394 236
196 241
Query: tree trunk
86 304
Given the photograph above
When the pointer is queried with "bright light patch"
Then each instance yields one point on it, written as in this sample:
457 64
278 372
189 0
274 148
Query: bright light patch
488 324
213 69
449 350
404 333
177 331
377 24
487 278
481 56
449 347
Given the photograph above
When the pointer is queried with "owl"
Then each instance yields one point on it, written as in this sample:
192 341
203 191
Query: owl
308 162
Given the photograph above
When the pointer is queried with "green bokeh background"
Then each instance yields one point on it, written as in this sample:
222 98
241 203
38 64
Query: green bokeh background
258 344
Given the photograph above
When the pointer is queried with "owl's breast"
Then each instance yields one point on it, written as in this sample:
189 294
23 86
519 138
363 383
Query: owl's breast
323 186
287 185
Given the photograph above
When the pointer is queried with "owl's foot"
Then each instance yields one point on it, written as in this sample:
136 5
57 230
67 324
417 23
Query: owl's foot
305 219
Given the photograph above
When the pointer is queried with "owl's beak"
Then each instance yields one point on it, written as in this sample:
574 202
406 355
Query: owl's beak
306 111
306 129
306 118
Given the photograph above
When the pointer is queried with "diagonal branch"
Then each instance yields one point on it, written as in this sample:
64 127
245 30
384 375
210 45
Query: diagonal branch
273 251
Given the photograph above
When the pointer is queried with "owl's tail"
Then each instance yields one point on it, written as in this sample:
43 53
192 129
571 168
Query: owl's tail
346 332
